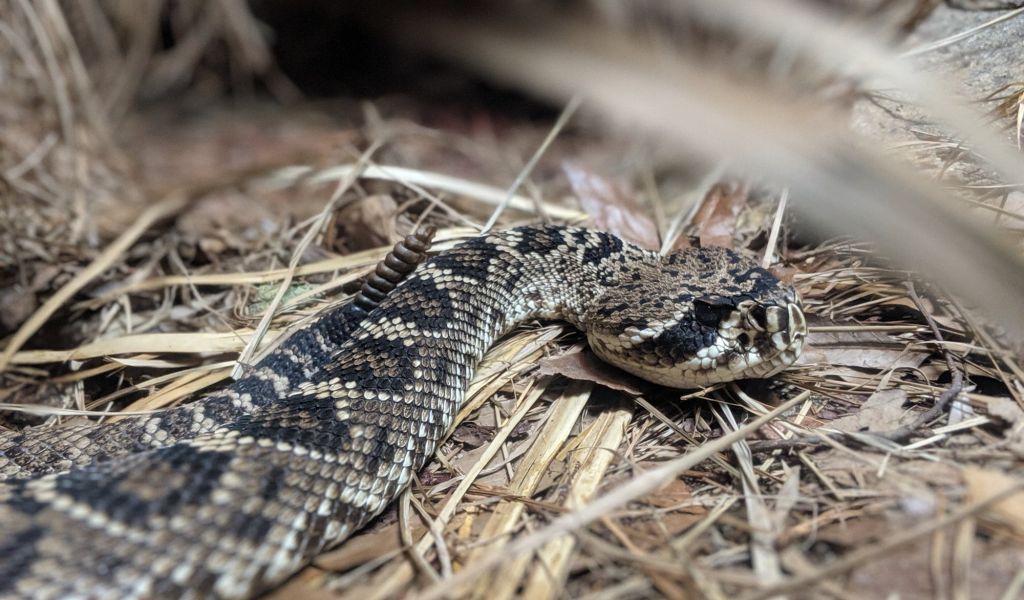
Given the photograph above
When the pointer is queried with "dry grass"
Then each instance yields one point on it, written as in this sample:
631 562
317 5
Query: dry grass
841 480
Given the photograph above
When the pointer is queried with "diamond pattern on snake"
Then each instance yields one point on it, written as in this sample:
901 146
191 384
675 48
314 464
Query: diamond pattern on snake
229 495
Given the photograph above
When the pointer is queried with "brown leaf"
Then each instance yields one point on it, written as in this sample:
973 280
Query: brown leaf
585 366
863 358
368 223
719 212
226 220
668 495
364 547
860 349
983 483
678 521
473 435
18 305
883 411
611 206
651 531
851 533
307 584
1005 409
784 274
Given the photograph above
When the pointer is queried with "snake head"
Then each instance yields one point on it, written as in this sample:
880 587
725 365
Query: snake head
702 316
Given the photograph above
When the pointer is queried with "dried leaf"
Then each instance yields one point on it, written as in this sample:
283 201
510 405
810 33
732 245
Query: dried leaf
860 349
983 483
784 274
227 220
671 494
585 366
611 206
307 584
472 435
718 215
864 358
18 305
369 222
881 412
651 531
1005 409
851 533
364 547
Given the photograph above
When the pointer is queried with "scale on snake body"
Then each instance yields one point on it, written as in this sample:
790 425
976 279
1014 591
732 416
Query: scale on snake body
233 493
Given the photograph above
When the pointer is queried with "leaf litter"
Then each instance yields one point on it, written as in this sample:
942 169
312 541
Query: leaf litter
547 429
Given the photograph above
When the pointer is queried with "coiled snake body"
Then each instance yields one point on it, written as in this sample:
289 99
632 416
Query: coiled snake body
233 493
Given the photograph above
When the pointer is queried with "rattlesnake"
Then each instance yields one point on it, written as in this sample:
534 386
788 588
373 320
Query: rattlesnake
233 493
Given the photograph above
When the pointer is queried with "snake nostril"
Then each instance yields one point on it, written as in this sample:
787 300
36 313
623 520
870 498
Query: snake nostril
743 339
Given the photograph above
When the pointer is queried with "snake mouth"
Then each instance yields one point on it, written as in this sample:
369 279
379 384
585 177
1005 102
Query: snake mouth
787 342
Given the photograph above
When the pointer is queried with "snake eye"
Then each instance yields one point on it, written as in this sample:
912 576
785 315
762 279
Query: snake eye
709 310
